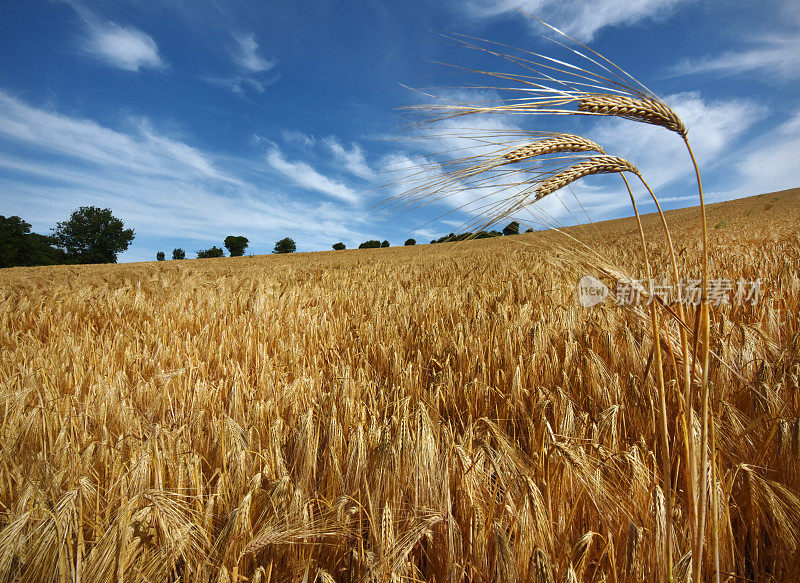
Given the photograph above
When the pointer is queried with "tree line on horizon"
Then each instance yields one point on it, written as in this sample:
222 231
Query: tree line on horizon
94 235
511 229
235 244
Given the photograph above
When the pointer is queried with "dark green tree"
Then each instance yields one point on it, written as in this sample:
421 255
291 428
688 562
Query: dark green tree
178 253
410 242
236 245
286 245
160 256
529 230
210 253
20 247
385 243
371 244
92 235
339 246
511 228
13 241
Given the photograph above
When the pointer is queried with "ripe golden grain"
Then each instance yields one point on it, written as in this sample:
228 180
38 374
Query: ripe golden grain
646 110
402 413
588 167
560 143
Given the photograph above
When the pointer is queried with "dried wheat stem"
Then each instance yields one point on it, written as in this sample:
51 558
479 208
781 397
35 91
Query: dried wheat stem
690 473
705 337
645 110
658 368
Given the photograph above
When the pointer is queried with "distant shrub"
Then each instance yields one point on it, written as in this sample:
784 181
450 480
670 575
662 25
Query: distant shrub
410 242
178 253
371 244
339 246
160 256
236 245
210 253
511 228
285 245
385 243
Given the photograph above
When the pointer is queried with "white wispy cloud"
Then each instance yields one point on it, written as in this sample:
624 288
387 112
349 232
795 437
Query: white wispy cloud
123 47
250 67
770 57
246 56
353 159
142 151
770 163
298 138
581 19
161 186
306 176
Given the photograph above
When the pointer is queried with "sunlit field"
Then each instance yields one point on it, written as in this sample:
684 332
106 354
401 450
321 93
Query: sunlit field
441 413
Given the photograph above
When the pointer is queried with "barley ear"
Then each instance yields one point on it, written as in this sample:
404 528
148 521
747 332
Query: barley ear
645 110
561 143
593 165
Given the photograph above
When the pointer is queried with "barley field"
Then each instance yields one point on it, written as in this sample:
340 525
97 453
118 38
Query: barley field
442 413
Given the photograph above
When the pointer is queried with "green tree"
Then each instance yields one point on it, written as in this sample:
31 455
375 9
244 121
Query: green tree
511 228
410 242
92 235
339 246
529 230
160 256
178 253
286 245
371 244
210 253
236 245
385 243
20 247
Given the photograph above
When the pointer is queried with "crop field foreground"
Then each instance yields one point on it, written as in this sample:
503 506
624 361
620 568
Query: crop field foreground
445 412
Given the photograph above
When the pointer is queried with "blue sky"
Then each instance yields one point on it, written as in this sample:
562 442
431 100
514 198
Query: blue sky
194 120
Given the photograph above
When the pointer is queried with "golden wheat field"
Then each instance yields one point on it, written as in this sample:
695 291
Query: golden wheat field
442 413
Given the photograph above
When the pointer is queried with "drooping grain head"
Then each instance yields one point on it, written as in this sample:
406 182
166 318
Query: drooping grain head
562 143
542 571
581 549
593 165
632 549
644 110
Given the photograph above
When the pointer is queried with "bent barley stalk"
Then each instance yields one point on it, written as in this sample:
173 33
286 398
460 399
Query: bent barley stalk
550 86
609 165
